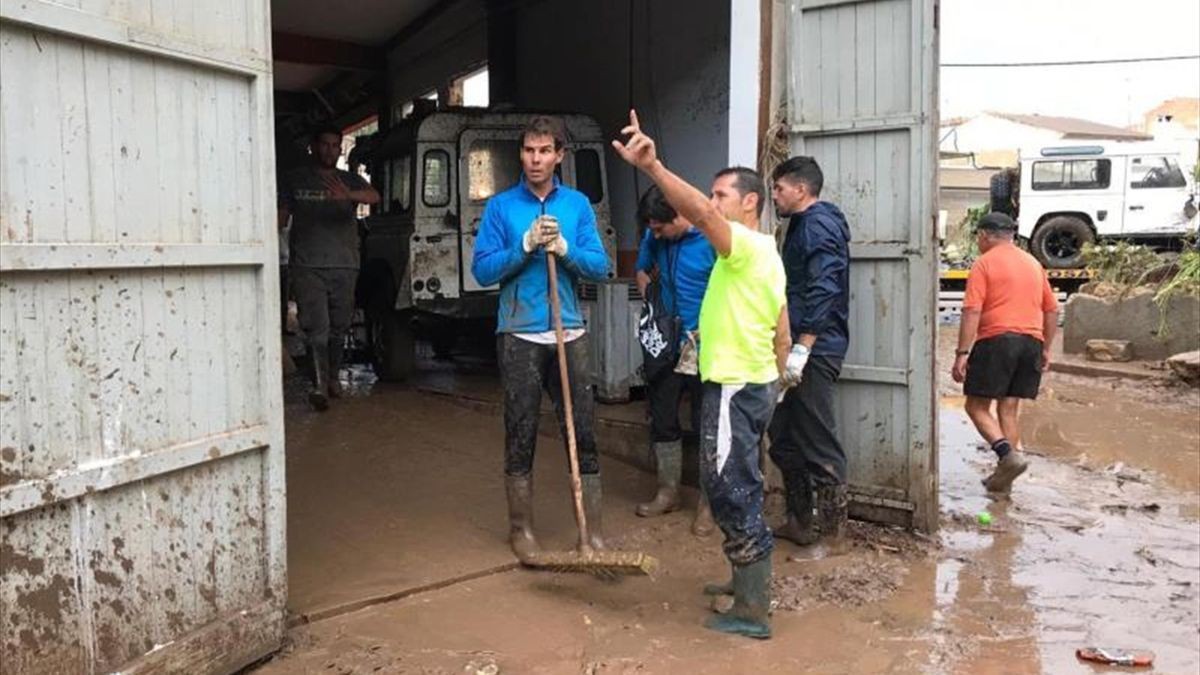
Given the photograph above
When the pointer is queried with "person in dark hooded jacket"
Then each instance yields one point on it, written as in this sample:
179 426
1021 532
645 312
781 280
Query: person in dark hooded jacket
803 432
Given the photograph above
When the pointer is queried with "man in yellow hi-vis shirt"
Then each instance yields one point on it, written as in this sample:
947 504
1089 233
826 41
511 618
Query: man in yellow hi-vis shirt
744 352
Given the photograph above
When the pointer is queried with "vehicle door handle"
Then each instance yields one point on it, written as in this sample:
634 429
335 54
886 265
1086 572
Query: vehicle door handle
1136 208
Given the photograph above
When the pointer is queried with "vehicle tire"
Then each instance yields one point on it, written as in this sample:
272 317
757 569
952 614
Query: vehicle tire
1001 193
393 344
443 343
1058 243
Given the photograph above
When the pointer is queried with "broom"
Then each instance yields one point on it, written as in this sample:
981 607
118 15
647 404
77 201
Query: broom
585 559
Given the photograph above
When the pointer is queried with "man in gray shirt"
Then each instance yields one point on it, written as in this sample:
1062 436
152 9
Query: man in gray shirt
321 201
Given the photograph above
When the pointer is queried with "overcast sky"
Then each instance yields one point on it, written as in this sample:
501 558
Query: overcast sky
990 31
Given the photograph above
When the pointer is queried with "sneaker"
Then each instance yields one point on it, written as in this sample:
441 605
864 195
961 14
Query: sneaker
1007 470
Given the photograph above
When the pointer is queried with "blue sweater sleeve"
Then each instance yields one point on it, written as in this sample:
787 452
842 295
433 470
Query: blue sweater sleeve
496 258
645 259
824 264
586 256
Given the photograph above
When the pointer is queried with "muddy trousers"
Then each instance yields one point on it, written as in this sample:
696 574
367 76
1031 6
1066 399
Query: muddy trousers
663 396
734 418
526 369
325 306
804 442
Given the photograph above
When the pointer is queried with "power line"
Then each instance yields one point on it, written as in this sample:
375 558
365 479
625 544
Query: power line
1029 64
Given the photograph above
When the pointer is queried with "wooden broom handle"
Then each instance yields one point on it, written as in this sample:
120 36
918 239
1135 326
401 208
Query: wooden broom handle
568 409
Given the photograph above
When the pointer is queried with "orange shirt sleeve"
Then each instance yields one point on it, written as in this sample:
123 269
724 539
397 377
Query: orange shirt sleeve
1049 301
976 286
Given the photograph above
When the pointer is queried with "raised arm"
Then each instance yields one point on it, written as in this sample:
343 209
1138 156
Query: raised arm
692 204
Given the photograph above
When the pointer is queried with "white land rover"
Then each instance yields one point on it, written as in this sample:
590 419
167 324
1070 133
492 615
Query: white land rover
1066 196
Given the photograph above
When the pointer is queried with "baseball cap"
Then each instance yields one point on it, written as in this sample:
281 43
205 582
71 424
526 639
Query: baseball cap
996 222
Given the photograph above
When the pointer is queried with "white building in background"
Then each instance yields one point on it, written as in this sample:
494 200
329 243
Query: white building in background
1176 122
993 139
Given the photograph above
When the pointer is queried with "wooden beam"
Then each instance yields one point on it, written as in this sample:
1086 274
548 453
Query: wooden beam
105 474
315 51
42 15
418 24
74 256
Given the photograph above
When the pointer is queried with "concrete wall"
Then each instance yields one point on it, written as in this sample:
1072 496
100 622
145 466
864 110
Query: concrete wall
1134 318
577 56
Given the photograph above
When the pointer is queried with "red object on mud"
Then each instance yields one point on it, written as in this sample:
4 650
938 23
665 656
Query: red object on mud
1116 657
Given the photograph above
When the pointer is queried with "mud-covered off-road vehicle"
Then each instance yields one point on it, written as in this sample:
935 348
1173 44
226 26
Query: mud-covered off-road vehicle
436 172
1064 197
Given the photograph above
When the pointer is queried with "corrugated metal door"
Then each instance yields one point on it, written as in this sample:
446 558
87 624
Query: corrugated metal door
141 435
862 100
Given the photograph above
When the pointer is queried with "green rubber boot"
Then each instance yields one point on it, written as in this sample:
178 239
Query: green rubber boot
592 500
749 616
669 458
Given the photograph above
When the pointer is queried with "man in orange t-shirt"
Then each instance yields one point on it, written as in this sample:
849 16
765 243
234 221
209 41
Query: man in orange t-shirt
1009 318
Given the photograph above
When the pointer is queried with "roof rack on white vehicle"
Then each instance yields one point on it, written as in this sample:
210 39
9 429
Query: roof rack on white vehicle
1059 151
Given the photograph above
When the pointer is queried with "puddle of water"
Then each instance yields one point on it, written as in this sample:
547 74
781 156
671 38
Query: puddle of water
357 379
1071 560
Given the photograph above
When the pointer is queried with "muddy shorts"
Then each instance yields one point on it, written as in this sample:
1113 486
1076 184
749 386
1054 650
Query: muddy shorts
733 420
1005 366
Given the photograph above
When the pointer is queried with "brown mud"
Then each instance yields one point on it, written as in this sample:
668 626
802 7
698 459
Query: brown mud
400 490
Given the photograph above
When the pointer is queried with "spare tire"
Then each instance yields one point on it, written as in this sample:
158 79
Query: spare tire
1058 243
1001 193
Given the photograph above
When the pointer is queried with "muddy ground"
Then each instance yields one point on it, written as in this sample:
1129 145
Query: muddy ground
395 496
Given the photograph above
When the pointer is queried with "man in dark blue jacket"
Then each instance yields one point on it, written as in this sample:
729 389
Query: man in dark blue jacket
804 442
540 216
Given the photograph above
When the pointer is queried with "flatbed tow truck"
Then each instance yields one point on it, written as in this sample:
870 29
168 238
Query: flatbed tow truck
1066 281
952 285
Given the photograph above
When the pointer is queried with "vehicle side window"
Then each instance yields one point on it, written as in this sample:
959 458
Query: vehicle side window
588 176
492 165
399 192
436 191
1072 174
1155 171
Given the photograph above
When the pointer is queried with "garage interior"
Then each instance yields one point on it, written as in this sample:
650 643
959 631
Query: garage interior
382 502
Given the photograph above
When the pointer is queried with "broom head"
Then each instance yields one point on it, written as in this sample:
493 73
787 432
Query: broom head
598 563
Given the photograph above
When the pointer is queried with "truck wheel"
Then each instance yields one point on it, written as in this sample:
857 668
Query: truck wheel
1001 192
393 345
1058 243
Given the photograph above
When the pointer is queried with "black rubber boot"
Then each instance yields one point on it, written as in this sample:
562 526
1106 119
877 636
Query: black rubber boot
519 490
832 504
333 383
669 459
800 526
318 398
750 614
592 498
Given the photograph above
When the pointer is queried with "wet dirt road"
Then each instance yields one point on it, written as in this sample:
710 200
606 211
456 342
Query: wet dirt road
1104 423
1077 557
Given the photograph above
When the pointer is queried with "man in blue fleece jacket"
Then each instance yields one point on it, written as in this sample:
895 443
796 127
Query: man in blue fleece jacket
537 217
804 441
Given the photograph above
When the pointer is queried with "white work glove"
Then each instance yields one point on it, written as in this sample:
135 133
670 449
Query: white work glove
542 231
557 246
793 370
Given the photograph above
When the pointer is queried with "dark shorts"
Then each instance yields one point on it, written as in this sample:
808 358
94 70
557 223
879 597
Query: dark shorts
1005 366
